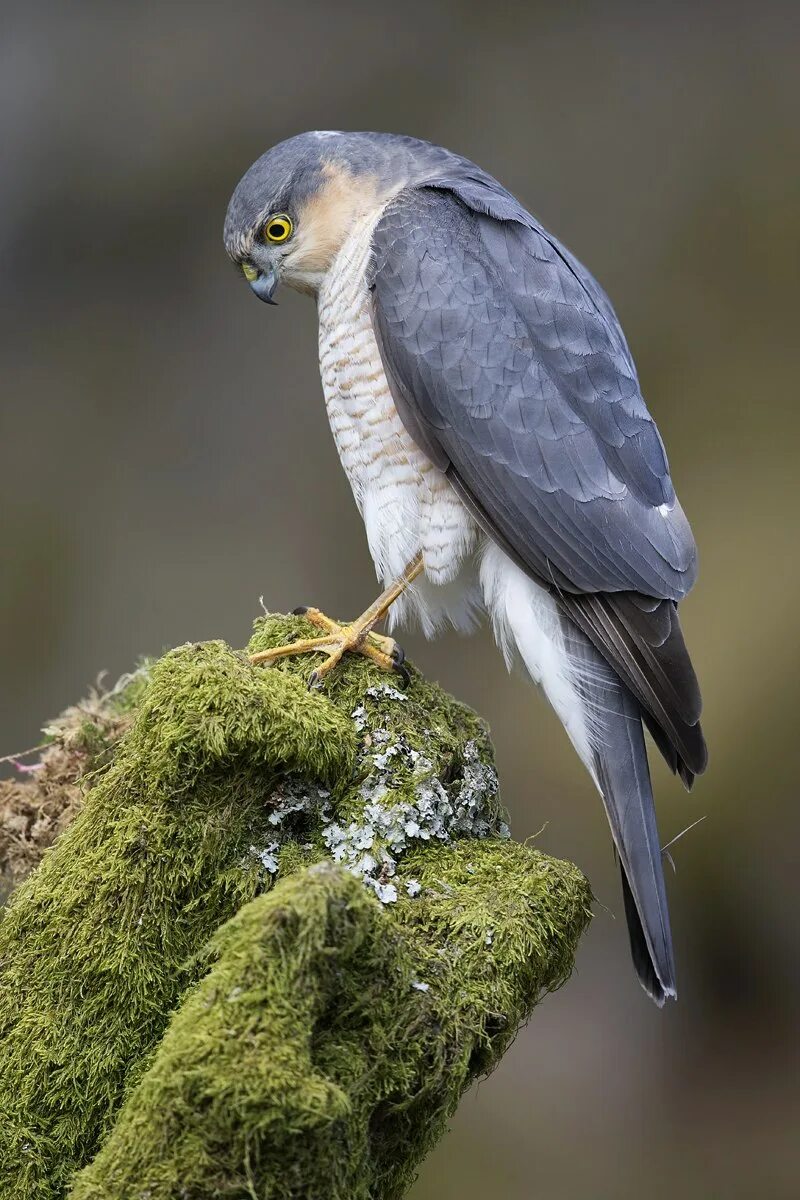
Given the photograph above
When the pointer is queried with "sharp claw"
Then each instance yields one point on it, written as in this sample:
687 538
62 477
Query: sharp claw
314 681
398 664
300 611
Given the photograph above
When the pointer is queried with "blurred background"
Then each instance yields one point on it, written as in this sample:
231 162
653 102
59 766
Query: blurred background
166 460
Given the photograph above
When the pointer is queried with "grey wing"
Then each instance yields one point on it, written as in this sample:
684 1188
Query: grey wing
509 369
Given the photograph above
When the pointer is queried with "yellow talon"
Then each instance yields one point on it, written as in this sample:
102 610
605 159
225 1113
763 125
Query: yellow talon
337 641
356 638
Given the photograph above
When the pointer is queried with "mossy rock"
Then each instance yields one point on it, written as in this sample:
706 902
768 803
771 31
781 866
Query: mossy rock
197 1001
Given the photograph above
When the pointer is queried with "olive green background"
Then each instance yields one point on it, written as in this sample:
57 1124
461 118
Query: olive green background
166 461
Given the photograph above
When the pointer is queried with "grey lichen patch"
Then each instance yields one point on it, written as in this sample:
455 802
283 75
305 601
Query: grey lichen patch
405 801
267 856
425 770
296 808
386 689
403 796
297 797
216 805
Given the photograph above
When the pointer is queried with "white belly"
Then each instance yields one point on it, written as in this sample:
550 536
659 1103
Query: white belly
407 504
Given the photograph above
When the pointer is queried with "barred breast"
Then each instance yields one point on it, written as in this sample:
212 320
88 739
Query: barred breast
406 502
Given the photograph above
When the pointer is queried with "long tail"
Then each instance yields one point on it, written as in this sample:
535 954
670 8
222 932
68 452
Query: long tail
623 777
604 723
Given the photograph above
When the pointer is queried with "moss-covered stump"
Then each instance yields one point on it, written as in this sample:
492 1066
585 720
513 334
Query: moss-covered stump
211 1032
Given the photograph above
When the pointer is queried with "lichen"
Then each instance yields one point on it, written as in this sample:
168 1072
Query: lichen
410 787
393 820
314 1028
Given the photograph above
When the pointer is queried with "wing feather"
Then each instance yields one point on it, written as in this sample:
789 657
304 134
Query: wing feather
509 369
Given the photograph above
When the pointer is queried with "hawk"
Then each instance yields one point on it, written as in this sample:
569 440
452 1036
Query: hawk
488 415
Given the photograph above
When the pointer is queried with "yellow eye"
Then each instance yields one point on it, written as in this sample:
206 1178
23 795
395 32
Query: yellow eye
278 228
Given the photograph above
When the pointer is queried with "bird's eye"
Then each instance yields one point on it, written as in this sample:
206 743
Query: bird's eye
278 228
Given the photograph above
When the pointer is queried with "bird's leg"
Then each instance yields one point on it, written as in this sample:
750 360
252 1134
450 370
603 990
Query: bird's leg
355 638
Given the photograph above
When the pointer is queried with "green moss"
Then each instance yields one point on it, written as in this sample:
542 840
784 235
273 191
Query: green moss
298 1038
332 1038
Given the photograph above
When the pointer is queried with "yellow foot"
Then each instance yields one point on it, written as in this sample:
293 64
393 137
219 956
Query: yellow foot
357 638
338 640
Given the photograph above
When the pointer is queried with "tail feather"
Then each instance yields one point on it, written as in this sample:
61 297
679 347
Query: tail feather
624 780
640 952
641 638
603 719
622 773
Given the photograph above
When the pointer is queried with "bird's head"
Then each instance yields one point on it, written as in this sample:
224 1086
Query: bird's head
292 211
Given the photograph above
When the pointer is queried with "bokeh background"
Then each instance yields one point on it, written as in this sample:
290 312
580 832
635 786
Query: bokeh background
165 460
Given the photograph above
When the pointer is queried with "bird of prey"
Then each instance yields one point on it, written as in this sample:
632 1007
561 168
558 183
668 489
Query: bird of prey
488 415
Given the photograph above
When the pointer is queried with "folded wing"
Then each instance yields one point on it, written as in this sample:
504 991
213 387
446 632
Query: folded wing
509 369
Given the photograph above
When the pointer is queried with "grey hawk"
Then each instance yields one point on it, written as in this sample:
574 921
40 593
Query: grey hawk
488 415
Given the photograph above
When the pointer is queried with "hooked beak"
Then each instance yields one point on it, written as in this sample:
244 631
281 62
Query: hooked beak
263 283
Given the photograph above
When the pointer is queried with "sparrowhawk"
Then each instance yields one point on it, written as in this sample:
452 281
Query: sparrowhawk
488 415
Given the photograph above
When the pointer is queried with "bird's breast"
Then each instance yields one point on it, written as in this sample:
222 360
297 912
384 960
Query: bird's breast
406 502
